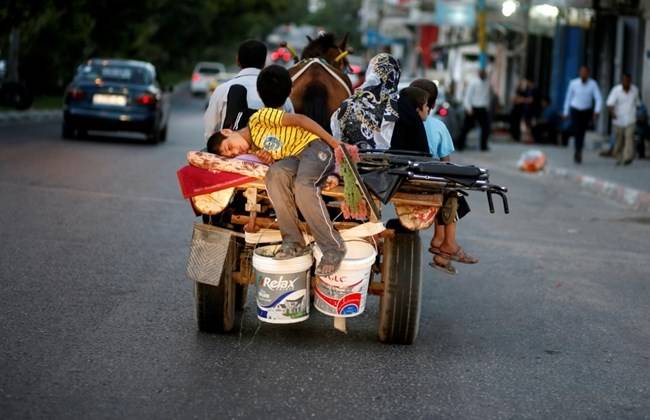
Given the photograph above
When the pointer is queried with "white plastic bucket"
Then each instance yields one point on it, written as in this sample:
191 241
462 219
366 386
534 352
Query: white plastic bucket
282 286
344 293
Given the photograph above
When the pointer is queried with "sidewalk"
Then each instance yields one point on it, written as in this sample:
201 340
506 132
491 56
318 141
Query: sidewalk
28 116
627 185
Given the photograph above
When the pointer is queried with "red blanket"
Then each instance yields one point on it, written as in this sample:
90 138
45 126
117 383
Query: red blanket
196 181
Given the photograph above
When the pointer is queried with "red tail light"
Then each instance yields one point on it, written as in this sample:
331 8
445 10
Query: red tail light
443 112
76 94
196 77
281 53
146 99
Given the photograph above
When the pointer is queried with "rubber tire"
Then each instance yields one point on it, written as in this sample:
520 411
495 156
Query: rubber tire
153 137
241 296
399 308
215 305
67 131
162 136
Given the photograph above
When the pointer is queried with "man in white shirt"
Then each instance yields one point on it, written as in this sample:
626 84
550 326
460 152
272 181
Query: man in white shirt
477 105
582 103
251 57
622 103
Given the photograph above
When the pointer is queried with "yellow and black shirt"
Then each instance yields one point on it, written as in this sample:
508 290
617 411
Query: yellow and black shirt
268 133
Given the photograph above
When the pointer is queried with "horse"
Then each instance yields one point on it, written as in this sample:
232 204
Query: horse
319 82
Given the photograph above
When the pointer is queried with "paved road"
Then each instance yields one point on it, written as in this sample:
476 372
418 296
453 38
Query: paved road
97 316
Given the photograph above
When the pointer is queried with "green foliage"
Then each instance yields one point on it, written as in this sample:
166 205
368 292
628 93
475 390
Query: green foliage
58 35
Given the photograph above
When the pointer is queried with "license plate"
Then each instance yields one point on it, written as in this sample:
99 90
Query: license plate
115 100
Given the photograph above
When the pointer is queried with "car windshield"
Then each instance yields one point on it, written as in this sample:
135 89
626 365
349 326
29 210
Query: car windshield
115 73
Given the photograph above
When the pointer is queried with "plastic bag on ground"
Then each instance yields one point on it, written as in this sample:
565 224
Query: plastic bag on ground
532 161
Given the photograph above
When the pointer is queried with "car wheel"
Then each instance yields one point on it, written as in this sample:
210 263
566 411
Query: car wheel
153 136
67 131
163 134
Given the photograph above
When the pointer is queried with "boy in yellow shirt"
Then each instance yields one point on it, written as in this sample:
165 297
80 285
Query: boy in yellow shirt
302 156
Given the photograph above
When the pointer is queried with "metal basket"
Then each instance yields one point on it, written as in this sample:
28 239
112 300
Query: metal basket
208 252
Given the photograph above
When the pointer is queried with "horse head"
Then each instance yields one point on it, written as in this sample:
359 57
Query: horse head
325 47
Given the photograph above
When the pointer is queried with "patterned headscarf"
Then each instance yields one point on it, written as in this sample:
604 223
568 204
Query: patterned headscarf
362 114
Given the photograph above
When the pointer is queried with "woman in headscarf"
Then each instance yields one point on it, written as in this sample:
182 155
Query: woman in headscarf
368 117
375 116
409 133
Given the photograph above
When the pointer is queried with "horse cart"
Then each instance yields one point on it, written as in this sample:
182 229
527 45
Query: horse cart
413 184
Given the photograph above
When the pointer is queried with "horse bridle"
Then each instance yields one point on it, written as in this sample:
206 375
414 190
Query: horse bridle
342 54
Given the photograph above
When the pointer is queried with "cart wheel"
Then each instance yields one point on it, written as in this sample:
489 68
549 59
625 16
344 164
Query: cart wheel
241 296
399 309
215 305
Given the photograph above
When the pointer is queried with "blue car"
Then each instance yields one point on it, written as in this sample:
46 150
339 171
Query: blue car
116 95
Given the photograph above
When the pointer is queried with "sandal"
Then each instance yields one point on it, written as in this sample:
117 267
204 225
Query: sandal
459 256
288 251
444 267
434 250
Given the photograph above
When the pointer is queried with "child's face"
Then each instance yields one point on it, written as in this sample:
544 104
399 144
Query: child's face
423 111
234 144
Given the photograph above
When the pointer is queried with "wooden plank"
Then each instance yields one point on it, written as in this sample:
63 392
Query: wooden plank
430 200
376 288
268 223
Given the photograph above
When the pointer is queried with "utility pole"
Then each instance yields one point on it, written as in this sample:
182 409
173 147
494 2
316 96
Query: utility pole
525 9
482 35
12 59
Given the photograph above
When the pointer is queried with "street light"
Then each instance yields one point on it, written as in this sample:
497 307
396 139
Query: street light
508 7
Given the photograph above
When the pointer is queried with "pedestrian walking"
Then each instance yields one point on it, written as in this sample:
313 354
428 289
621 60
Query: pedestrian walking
622 103
522 109
477 105
582 103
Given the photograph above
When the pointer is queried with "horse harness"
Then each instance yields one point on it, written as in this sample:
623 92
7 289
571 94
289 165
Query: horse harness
312 61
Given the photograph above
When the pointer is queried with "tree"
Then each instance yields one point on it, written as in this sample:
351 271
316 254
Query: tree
57 35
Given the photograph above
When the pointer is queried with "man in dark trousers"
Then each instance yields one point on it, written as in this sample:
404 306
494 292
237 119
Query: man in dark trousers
582 103
477 106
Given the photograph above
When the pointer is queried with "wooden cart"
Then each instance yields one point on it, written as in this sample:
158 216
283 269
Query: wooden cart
396 277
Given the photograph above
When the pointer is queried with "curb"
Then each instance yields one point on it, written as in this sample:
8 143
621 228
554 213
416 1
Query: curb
629 197
11 117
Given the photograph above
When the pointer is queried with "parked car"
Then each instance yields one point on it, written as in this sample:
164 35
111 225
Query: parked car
116 95
204 73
